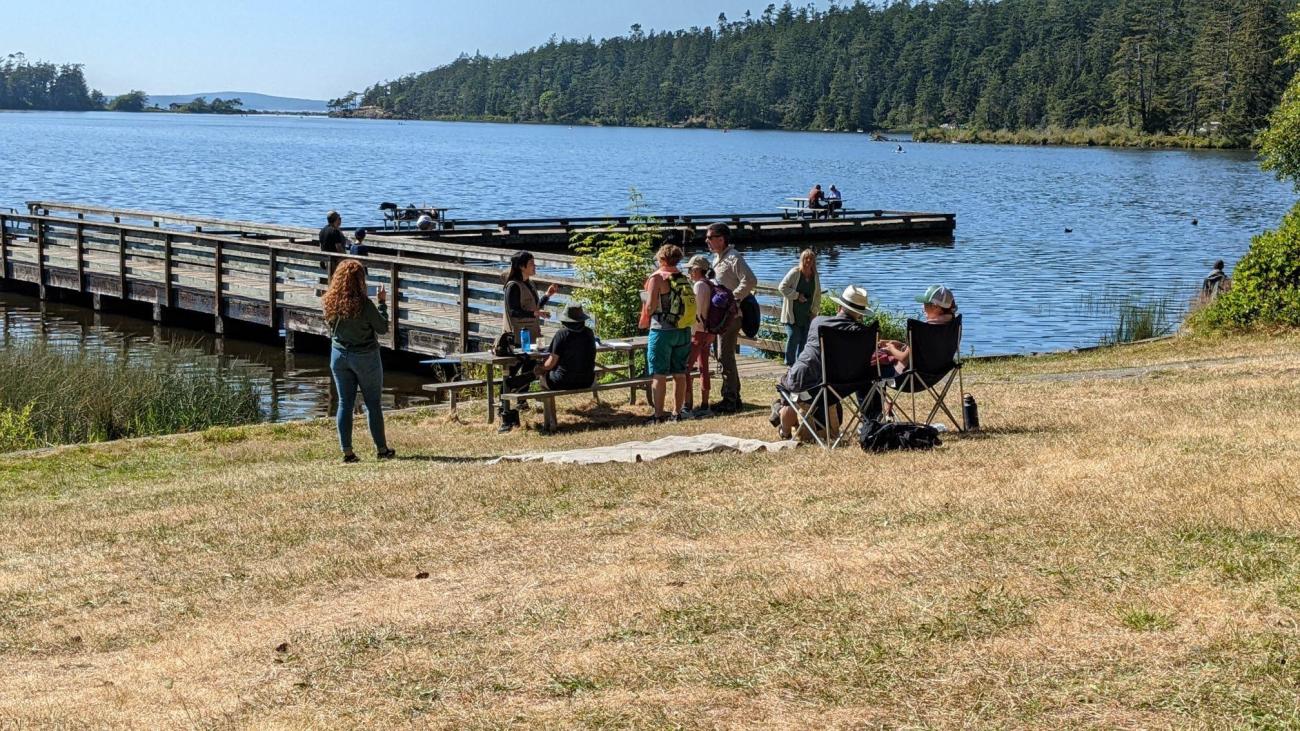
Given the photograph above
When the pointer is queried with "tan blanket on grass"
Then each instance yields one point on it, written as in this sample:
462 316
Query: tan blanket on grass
650 451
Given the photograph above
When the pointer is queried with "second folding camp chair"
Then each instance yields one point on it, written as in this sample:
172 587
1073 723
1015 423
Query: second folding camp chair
847 377
934 364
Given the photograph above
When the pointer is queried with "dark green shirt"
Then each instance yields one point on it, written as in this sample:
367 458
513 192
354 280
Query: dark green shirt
803 310
360 334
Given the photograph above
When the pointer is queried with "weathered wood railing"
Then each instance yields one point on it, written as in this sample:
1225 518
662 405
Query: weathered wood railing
436 305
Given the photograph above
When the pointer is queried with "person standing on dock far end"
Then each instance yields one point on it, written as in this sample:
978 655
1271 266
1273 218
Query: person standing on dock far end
732 272
332 238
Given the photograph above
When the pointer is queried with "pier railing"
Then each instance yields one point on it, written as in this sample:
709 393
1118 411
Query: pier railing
437 305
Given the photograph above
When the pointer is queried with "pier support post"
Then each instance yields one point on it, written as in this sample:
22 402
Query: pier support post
218 324
96 302
157 312
288 341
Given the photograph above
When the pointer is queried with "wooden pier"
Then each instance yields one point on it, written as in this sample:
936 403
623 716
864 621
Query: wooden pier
749 229
443 296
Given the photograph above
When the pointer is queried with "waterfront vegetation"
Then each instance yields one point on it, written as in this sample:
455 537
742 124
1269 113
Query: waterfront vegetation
1106 136
1160 69
1118 548
57 395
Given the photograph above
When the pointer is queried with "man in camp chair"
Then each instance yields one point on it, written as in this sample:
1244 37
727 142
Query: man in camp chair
833 371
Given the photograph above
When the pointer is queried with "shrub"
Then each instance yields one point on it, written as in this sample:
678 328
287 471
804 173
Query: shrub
893 324
16 430
1265 284
612 266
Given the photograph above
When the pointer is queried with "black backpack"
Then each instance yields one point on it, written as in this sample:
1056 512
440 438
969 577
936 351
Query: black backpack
504 345
750 316
878 436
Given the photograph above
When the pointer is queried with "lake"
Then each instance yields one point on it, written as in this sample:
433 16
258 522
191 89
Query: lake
1023 282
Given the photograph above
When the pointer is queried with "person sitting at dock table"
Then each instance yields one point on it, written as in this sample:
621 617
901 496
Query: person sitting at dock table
355 323
571 358
816 199
834 201
331 236
359 248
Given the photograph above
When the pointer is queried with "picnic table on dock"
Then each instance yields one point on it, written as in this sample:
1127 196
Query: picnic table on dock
491 361
801 209
398 218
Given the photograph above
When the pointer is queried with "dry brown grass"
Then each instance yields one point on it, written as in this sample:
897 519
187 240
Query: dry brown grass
1120 548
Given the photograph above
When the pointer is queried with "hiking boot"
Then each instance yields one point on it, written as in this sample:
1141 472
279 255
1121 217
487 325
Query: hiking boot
387 453
351 459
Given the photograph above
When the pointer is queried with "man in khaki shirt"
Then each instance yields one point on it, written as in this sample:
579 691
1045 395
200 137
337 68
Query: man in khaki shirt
731 271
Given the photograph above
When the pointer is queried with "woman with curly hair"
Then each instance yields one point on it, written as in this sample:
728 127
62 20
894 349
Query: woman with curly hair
355 323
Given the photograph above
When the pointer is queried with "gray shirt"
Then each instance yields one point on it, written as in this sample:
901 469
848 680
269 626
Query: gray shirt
734 274
806 373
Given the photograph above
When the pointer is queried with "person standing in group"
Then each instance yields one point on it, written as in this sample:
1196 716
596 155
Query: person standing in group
332 238
668 311
801 301
355 323
732 272
701 337
523 314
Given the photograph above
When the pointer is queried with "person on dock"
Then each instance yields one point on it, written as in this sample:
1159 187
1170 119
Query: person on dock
834 201
571 359
668 312
359 247
355 323
816 198
523 314
332 238
701 337
733 273
1216 283
801 300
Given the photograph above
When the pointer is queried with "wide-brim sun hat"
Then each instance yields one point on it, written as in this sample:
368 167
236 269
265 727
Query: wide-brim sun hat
854 299
574 315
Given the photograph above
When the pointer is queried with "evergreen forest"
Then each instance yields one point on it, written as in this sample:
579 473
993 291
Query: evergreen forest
39 85
1183 67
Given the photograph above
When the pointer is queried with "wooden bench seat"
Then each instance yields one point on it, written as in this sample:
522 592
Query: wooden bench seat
548 397
453 388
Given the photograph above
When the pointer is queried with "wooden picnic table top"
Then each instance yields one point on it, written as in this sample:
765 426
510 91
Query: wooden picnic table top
487 357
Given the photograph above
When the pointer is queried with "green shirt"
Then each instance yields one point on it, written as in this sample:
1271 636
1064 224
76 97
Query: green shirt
360 334
803 310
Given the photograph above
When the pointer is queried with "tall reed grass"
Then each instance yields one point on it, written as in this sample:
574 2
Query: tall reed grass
1108 136
57 395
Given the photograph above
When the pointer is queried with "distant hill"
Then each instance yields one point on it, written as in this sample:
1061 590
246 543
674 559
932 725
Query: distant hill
252 101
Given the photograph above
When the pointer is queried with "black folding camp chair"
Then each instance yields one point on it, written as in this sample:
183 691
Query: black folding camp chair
934 364
848 378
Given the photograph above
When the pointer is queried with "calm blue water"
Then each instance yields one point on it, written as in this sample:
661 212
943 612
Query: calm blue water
1023 282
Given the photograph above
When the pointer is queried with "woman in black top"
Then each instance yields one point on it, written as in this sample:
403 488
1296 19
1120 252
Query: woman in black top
523 313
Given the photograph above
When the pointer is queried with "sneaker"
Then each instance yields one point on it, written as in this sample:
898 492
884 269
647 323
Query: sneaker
388 453
685 415
351 459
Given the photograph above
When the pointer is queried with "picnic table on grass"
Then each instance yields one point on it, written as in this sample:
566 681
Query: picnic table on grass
492 381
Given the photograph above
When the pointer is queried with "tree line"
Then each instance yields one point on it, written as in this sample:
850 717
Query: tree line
39 85
1194 67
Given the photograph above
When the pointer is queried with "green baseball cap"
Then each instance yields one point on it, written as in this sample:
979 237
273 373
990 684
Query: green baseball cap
938 295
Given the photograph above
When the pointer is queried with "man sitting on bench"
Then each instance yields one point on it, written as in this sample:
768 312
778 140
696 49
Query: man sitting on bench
571 359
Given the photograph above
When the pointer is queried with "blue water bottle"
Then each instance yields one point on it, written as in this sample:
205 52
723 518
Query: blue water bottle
526 341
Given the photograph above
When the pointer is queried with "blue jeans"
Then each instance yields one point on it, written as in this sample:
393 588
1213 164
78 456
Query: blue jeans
795 337
364 371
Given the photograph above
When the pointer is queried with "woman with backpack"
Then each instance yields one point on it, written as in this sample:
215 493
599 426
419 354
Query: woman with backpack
668 311
801 301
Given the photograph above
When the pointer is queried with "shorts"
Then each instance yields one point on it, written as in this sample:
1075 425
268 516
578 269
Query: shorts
668 351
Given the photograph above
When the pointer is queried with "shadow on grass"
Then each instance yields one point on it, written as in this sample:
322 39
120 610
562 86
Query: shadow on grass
440 458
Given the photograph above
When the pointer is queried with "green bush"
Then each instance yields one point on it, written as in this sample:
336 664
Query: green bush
1265 284
893 324
612 266
16 430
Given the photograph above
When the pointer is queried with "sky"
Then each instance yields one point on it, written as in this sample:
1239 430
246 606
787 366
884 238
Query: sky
317 49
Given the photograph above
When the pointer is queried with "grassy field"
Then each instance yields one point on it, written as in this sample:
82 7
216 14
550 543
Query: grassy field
1119 549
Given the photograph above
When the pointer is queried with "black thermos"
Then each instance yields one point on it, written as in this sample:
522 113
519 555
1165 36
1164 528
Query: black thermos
971 412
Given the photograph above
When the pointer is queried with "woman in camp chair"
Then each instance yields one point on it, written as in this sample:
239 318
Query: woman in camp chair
939 308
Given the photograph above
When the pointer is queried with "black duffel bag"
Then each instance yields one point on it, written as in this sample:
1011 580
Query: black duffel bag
750 316
878 436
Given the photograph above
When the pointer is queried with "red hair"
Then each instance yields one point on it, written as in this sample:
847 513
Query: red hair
347 291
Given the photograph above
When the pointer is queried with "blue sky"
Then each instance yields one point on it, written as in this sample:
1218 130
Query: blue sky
316 49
